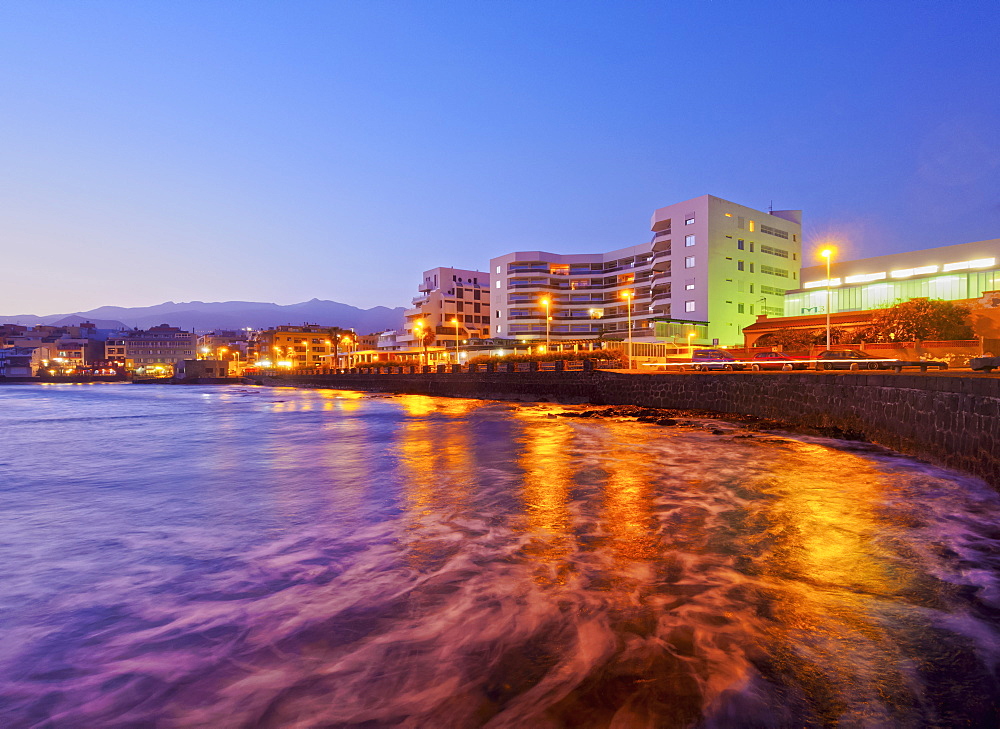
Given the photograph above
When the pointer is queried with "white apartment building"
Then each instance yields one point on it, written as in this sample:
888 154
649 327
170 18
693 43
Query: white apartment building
448 295
709 269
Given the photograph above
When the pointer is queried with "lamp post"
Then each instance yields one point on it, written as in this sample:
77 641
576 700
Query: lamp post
418 331
628 296
455 322
827 253
690 347
546 302
349 343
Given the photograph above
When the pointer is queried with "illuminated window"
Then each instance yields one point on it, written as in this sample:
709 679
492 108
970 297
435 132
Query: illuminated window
689 221
689 287
689 262
689 306
751 225
729 215
689 240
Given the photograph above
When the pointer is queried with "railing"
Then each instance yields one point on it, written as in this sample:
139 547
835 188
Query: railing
571 365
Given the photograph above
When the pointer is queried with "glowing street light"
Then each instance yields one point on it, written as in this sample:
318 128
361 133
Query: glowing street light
827 253
628 296
690 346
418 331
455 322
546 302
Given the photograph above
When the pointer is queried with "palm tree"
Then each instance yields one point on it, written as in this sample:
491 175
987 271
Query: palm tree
424 335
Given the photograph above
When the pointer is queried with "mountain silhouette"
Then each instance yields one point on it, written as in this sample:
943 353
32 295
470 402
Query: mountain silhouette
205 316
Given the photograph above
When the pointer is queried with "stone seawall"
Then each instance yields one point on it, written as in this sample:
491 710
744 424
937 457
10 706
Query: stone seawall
950 420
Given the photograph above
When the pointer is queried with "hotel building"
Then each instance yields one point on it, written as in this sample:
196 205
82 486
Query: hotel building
448 295
157 348
952 273
710 267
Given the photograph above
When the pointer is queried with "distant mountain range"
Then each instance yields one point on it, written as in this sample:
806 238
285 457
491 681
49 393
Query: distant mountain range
205 316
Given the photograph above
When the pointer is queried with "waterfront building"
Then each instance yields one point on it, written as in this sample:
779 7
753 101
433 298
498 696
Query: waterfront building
154 350
962 272
710 267
387 341
303 346
454 303
22 361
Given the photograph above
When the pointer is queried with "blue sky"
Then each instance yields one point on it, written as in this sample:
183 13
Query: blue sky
280 151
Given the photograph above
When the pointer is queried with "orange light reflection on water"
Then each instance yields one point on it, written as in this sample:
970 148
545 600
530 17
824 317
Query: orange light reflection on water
436 457
546 464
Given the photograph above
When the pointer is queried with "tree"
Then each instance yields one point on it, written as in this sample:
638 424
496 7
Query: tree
425 336
920 319
788 338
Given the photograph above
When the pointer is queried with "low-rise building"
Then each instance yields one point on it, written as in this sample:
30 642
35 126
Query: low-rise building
22 361
302 346
960 272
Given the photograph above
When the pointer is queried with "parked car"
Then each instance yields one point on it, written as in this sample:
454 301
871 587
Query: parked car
776 361
984 364
848 359
714 359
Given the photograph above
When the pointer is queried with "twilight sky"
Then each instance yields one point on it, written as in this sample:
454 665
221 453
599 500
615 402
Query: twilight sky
280 151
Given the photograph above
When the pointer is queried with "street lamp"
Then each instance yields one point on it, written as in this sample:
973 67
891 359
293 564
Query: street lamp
690 347
546 302
628 296
455 322
418 332
827 253
348 343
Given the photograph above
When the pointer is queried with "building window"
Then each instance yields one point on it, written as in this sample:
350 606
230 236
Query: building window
498 284
751 226
751 247
751 288
689 287
498 269
689 306
751 267
739 265
739 308
689 221
740 243
689 262
689 240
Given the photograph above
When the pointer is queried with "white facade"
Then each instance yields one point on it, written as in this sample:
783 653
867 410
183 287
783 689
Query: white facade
448 295
710 262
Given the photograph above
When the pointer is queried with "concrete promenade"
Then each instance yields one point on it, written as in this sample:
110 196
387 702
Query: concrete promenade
952 419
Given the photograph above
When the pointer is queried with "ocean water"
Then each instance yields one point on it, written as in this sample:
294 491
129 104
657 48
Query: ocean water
252 557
